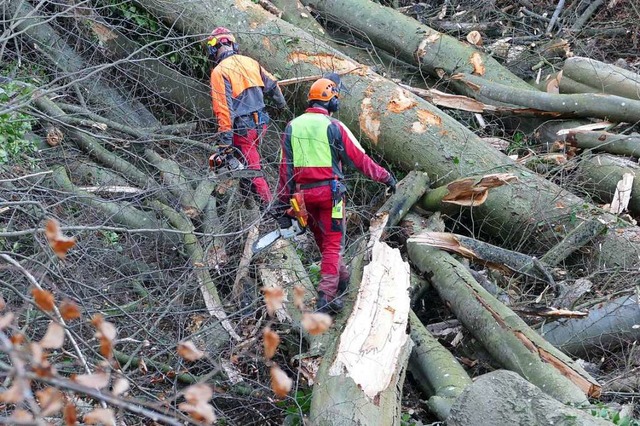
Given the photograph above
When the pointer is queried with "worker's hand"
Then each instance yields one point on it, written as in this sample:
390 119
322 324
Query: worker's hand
225 138
391 184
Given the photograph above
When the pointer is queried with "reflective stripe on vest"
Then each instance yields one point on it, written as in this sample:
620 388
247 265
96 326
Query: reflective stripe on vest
309 142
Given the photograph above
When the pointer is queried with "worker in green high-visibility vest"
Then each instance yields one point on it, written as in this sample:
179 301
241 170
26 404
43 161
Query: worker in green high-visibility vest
314 147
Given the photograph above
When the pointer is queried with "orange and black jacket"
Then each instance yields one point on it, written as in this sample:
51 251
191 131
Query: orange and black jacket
238 86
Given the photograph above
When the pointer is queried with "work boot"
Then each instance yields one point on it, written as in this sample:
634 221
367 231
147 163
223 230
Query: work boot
328 307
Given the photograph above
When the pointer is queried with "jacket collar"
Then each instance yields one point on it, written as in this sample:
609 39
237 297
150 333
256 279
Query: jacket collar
317 110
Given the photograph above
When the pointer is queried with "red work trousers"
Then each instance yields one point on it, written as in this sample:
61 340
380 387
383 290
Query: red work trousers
248 144
329 236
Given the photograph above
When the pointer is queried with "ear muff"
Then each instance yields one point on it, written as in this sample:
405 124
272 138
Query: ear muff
212 51
334 104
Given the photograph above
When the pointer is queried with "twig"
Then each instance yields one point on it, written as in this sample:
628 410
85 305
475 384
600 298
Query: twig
310 77
586 15
554 18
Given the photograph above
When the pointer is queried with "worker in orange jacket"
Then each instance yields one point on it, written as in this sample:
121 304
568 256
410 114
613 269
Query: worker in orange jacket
238 86
314 148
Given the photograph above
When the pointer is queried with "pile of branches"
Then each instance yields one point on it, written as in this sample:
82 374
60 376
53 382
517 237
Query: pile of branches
147 286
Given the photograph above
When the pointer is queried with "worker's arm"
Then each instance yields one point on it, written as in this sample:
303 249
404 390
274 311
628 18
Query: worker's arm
272 89
354 154
222 106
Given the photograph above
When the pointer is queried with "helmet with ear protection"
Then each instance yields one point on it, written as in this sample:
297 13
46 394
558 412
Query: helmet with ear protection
326 92
220 36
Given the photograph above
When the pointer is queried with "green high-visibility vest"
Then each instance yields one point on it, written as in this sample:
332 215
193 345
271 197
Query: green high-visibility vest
309 141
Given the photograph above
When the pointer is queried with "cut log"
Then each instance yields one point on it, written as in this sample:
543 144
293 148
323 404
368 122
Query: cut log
362 376
574 240
607 326
610 107
599 176
603 77
436 371
504 398
628 145
504 335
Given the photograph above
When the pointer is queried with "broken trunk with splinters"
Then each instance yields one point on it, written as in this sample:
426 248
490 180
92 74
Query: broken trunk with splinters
360 375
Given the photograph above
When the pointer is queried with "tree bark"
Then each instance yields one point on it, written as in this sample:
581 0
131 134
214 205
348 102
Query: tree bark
602 77
607 326
605 106
627 145
435 369
600 174
503 334
396 33
504 398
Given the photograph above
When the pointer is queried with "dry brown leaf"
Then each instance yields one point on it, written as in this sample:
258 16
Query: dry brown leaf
188 351
106 334
37 354
198 393
271 342
3 304
69 310
474 38
70 415
316 323
103 416
273 298
54 337
17 339
6 320
298 297
51 401
280 383
201 411
20 416
43 298
58 242
478 65
142 366
96 380
15 393
553 86
120 386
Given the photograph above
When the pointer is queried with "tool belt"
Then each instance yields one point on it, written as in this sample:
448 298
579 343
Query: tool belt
250 121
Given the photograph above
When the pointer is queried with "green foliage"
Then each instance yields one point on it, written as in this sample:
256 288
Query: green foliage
518 143
300 406
613 416
13 127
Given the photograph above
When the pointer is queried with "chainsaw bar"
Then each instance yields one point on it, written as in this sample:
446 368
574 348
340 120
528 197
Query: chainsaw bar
235 174
266 241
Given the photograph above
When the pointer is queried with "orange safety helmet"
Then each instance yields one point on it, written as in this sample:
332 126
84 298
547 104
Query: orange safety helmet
323 90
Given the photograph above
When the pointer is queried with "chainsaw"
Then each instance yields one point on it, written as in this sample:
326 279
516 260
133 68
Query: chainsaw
228 162
299 217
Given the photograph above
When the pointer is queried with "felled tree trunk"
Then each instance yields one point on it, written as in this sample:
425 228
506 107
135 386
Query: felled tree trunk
407 130
607 326
600 174
604 78
503 334
504 398
435 369
359 380
414 42
628 145
610 107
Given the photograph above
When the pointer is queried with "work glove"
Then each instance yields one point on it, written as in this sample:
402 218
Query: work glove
226 138
391 184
